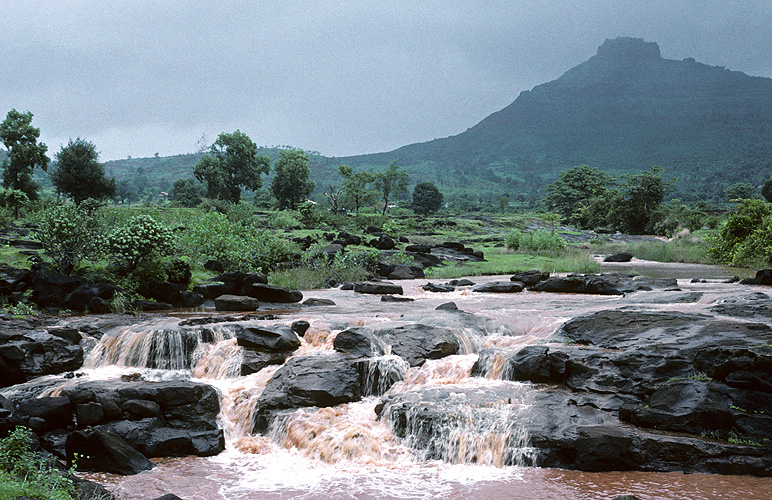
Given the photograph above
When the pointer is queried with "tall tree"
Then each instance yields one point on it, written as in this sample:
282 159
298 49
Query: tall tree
766 190
79 174
24 152
572 192
232 164
291 184
356 186
426 198
643 194
393 181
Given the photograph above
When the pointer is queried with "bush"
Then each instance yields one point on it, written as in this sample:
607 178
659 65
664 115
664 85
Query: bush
534 241
315 270
70 234
245 248
24 473
285 219
141 240
744 238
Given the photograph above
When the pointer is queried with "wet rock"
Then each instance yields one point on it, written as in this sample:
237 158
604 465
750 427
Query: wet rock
619 257
417 342
461 282
438 288
383 243
236 303
211 290
168 496
101 451
278 338
272 293
33 353
300 326
394 298
318 302
44 414
12 279
447 306
50 288
359 342
79 299
152 305
763 277
320 379
499 287
602 284
377 288
168 442
418 248
530 278
254 361
404 272
752 305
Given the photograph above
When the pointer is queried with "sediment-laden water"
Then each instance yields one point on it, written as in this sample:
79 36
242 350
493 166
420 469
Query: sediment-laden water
347 451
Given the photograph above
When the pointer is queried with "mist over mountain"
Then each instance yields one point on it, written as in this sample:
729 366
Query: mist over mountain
626 108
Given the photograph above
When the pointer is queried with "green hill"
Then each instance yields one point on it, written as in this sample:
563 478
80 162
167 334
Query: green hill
624 109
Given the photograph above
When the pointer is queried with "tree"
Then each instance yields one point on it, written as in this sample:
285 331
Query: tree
187 192
356 186
231 164
291 184
740 190
766 190
426 198
643 194
24 152
392 181
79 175
573 190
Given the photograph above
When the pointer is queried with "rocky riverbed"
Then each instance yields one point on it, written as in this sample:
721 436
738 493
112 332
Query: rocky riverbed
585 373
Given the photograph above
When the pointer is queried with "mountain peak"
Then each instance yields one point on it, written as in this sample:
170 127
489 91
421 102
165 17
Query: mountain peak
626 48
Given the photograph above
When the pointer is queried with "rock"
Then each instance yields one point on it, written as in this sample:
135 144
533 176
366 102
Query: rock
214 265
272 293
35 353
447 306
51 413
88 414
404 272
211 290
189 300
98 305
101 451
499 287
236 303
359 342
162 291
253 361
168 496
394 298
461 282
530 278
151 305
438 288
11 279
168 442
619 257
332 249
300 327
383 243
252 278
321 379
377 288
78 299
416 342
277 338
418 248
763 277
752 305
49 288
602 284
318 302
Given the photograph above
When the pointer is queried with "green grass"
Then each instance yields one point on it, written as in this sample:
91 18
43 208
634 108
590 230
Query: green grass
691 249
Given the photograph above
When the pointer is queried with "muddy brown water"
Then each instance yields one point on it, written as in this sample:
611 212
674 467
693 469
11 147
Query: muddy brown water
347 453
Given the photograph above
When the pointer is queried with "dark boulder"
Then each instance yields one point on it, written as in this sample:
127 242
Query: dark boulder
168 442
395 298
530 278
50 288
34 353
377 288
619 257
254 361
438 288
763 277
47 413
211 290
235 303
603 284
752 305
102 451
272 293
447 306
278 338
332 249
359 342
499 287
301 326
416 342
404 272
418 248
318 302
321 379
383 243
152 305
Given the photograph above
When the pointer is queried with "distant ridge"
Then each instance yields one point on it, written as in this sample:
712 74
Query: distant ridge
626 108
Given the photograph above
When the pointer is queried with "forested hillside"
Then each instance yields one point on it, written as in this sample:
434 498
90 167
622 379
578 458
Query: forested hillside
624 109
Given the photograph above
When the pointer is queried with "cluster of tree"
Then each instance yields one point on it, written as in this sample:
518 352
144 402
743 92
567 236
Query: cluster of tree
78 173
589 198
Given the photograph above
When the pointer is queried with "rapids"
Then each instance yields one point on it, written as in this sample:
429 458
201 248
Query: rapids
346 451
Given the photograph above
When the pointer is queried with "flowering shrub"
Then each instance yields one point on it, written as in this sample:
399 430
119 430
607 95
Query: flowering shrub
141 239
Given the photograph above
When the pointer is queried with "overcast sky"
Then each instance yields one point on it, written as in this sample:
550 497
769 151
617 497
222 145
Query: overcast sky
341 77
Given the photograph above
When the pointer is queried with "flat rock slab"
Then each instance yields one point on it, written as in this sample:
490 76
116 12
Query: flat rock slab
499 287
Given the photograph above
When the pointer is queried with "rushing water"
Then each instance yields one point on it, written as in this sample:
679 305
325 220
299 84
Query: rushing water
346 452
